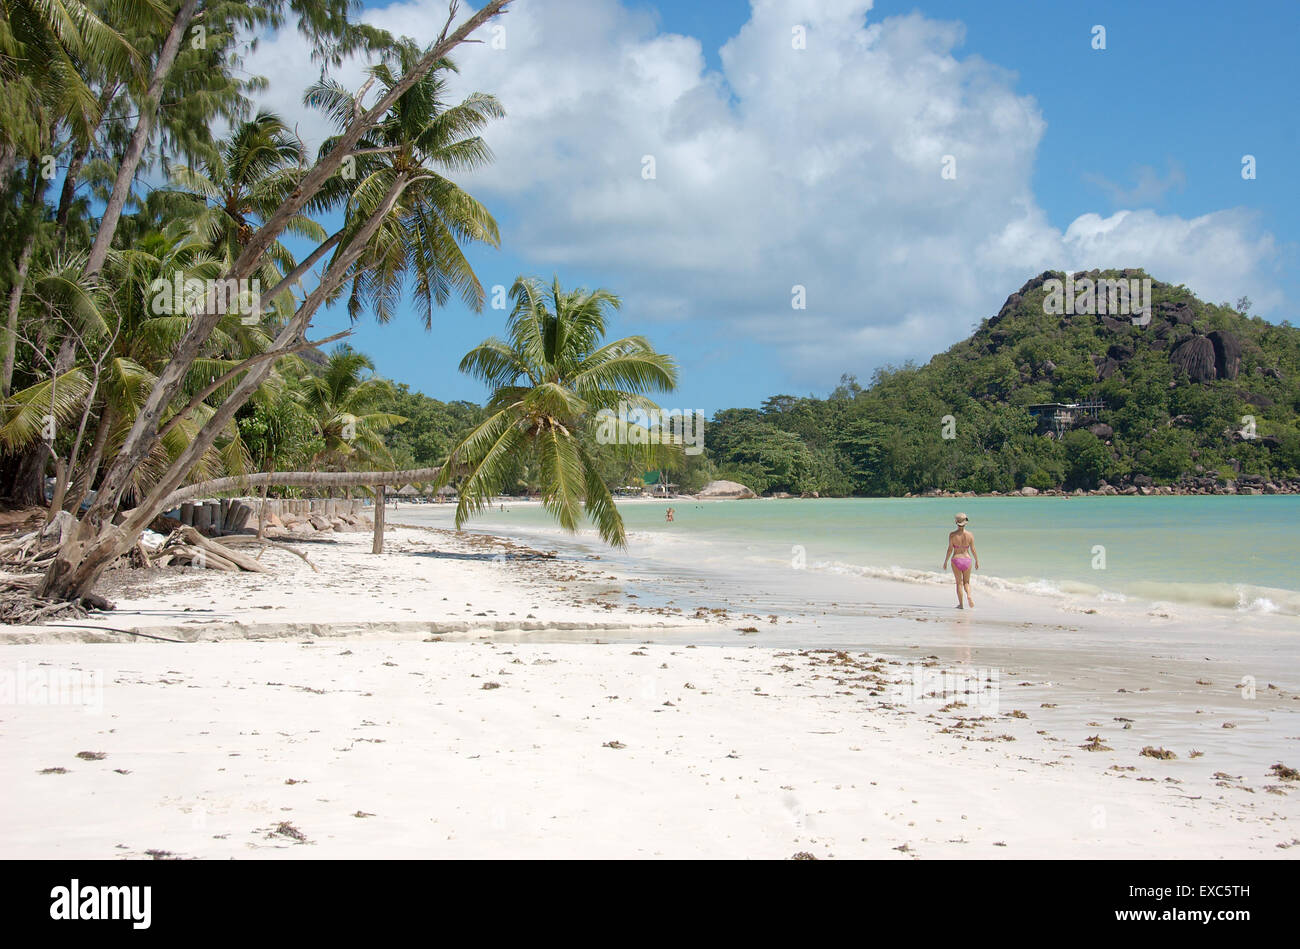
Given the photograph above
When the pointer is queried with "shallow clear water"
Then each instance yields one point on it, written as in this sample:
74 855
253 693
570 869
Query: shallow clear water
1198 596
1227 553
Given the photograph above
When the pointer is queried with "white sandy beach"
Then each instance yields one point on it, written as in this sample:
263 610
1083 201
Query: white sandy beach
414 749
378 719
425 581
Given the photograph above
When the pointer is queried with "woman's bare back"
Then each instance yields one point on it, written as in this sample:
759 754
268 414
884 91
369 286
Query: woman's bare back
961 539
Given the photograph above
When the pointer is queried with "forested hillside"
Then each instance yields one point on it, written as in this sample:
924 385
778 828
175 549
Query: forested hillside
1202 397
1182 397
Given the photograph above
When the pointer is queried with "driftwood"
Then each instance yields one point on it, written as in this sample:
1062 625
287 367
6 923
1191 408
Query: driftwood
27 554
187 545
30 552
220 550
196 557
17 550
39 545
245 539
21 606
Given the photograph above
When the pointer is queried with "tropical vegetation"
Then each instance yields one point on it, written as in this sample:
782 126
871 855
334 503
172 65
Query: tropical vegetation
965 420
156 329
164 249
550 380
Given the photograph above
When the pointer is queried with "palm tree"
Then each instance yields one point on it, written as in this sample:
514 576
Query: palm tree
47 50
52 54
123 339
342 400
256 169
549 380
419 137
174 82
95 542
146 333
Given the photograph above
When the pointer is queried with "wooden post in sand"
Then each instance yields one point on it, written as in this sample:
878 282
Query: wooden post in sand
380 501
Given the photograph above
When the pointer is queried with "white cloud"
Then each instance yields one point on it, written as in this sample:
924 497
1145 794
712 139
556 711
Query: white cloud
818 167
1219 255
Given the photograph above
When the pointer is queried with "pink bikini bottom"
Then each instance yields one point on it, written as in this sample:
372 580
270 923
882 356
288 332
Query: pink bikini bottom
961 563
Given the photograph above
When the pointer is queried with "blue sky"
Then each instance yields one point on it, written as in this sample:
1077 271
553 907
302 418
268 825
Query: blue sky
821 168
1196 84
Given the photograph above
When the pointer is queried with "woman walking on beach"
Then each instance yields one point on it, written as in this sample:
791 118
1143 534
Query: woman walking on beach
961 548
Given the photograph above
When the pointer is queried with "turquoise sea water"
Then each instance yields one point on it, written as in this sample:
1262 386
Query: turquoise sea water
1229 553
1198 596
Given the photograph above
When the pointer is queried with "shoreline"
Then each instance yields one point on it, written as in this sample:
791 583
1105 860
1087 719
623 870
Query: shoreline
1236 488
403 592
540 711
1248 581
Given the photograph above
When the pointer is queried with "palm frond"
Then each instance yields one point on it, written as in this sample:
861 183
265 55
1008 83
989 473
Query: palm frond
28 412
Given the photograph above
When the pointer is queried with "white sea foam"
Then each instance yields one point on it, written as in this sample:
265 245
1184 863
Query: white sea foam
1161 596
1238 597
1033 586
1260 604
772 546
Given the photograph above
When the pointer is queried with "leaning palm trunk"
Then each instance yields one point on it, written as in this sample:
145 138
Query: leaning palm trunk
11 324
86 477
72 177
34 189
299 479
96 542
144 432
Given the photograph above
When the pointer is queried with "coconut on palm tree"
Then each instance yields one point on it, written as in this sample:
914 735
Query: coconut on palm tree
549 379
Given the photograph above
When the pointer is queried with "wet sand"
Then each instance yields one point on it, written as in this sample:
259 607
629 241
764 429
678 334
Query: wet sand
465 696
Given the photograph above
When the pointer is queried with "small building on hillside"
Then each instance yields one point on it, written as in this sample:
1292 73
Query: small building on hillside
1057 418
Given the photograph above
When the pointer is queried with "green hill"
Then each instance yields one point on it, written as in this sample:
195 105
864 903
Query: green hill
1201 398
